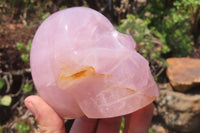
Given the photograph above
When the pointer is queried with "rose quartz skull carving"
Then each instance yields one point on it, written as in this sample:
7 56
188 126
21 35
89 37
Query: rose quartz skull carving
82 66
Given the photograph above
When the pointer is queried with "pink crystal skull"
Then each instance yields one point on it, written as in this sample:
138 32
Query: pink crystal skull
82 66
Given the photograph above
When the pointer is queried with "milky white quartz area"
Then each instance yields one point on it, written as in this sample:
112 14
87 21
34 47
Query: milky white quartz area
82 66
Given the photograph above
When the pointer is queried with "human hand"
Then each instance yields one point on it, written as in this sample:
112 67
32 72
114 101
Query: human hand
50 122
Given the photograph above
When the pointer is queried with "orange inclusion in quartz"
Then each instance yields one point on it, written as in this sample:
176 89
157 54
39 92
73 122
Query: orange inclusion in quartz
133 91
88 70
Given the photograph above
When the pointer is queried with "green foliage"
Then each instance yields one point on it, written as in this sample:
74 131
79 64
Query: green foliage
45 15
2 83
151 131
138 29
122 125
1 130
186 5
22 127
24 49
28 47
25 57
5 100
170 22
135 27
63 7
27 88
85 5
20 45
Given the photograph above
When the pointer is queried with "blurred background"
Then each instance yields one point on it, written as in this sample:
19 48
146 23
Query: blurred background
167 33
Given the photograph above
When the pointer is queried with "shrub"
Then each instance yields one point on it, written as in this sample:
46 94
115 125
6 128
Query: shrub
171 19
138 29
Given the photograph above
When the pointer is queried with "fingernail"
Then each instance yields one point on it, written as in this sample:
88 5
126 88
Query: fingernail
31 107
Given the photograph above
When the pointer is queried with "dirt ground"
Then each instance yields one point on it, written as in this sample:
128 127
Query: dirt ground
14 71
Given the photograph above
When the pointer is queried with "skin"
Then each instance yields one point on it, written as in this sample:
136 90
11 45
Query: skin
50 122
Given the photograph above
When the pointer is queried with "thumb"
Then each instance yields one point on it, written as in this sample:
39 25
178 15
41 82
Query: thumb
47 119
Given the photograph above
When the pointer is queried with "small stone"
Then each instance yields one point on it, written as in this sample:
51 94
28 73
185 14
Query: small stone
179 111
165 86
183 73
159 129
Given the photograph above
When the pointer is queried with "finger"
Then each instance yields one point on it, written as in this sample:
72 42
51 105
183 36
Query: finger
139 121
109 125
47 119
84 125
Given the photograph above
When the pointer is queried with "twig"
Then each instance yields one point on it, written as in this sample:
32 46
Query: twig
18 102
8 81
18 72
26 114
160 71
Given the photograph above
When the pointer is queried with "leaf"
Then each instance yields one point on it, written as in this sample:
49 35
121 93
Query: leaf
2 83
46 15
28 47
23 127
122 125
27 88
6 100
131 17
25 57
20 46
